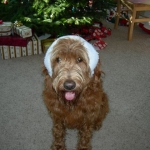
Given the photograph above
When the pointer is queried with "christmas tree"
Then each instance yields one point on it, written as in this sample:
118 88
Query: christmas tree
54 16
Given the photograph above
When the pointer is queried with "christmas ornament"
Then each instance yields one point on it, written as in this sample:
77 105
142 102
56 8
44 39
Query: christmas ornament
73 9
18 23
1 21
90 3
5 2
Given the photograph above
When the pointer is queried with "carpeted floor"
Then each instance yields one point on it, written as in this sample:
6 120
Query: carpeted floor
24 120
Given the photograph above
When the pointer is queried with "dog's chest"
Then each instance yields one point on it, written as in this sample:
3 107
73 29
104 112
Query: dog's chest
74 119
78 117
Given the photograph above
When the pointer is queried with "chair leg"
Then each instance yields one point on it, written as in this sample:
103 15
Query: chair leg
131 25
117 14
137 16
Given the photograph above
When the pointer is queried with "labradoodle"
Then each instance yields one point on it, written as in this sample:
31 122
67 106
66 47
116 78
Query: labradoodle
73 90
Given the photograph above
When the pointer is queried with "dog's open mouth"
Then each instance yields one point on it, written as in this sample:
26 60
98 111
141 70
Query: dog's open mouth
69 96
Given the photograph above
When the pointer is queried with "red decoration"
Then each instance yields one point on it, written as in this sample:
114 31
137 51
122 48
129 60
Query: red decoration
95 32
98 34
90 3
106 31
100 44
5 2
1 21
99 31
144 27
15 40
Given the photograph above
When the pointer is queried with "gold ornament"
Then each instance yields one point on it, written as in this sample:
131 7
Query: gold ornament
18 23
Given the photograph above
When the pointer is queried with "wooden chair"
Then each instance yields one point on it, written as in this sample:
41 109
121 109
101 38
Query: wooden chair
135 9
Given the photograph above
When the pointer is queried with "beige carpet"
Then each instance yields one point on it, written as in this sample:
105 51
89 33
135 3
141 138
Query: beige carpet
24 120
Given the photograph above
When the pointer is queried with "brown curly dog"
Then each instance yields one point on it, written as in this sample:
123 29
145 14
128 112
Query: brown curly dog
73 90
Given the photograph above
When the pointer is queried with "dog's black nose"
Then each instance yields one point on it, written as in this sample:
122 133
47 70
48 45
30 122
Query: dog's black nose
69 85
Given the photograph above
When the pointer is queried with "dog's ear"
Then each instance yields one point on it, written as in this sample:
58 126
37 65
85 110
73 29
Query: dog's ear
44 70
48 79
97 71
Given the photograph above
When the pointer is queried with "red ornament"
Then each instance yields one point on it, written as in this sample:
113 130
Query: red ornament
1 21
5 2
90 3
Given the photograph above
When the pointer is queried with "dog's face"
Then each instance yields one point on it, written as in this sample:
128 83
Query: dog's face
70 66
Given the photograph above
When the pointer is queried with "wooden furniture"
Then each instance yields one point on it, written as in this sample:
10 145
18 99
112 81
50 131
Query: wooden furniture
135 9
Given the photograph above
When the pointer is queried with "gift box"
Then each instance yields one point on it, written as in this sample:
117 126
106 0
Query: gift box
6 28
46 44
23 31
14 40
33 47
36 45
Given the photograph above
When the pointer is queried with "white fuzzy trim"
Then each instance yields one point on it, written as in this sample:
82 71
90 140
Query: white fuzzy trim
92 53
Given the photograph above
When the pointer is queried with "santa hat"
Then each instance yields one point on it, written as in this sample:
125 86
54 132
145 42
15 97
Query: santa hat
92 53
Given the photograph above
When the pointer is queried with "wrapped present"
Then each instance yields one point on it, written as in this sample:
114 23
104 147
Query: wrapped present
33 47
46 44
18 50
12 51
23 31
5 52
5 28
39 46
100 44
14 40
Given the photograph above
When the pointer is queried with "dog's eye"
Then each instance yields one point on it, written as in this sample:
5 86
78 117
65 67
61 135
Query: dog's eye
79 59
58 60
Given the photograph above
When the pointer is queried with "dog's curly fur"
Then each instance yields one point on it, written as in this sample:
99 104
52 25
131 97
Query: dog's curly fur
88 108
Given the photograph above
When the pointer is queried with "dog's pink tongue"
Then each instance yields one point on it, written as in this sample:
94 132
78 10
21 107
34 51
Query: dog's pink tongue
69 96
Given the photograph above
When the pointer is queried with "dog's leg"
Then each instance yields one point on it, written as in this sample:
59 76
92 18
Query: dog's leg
85 135
103 112
59 137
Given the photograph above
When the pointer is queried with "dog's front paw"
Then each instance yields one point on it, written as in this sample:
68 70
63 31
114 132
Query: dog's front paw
84 149
58 147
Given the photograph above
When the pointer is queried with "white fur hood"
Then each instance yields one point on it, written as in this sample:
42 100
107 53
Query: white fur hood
92 53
